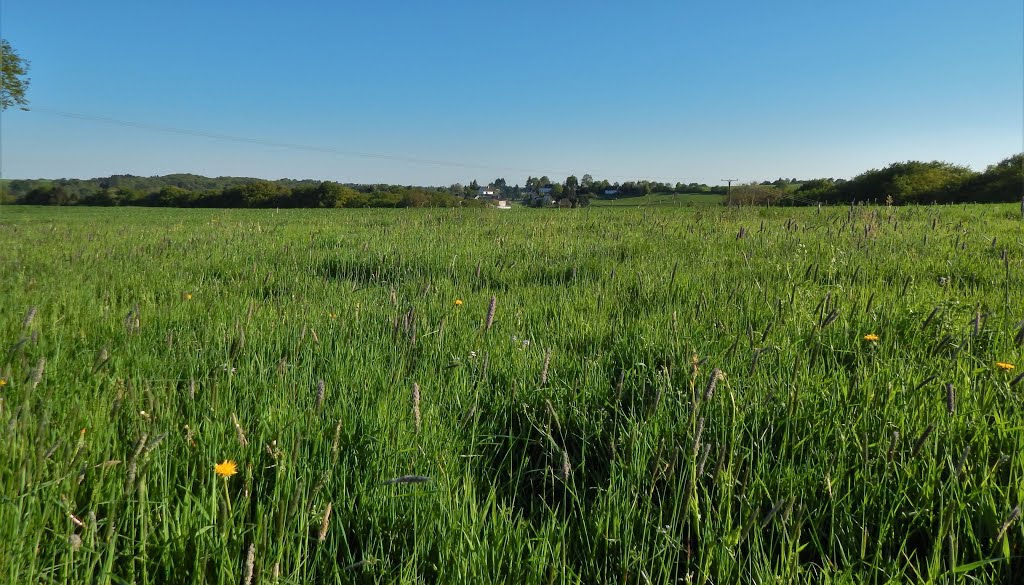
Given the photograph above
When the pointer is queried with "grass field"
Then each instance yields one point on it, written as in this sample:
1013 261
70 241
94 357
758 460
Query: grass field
660 200
694 395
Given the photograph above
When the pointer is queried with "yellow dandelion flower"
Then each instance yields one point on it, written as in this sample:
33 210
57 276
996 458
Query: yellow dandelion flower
458 302
1005 366
188 296
871 337
333 315
226 469
3 382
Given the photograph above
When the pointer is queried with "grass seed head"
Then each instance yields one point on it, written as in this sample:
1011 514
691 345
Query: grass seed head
709 392
325 523
37 373
238 431
29 316
250 560
490 312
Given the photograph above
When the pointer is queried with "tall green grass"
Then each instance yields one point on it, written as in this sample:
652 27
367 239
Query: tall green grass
585 436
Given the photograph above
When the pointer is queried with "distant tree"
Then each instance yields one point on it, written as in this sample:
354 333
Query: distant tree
13 77
1000 183
586 183
570 188
474 186
257 194
907 182
171 196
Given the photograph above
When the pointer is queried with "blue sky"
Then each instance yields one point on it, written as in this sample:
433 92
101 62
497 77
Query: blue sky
432 93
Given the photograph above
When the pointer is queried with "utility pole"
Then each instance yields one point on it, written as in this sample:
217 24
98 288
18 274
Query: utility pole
729 183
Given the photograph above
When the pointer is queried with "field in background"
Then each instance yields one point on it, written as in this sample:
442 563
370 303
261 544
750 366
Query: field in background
661 200
702 395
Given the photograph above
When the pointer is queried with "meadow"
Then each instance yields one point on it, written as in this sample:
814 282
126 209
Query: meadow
664 395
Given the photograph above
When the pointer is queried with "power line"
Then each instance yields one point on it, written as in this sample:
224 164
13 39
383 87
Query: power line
322 149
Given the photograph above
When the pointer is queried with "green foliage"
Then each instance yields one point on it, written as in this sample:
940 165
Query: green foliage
196 191
907 182
14 79
1000 183
581 436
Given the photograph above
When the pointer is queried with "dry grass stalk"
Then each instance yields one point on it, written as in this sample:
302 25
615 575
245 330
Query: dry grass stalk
1009 521
544 370
37 373
963 461
154 444
416 405
703 459
325 523
336 444
29 316
716 375
133 460
102 357
892 445
238 431
490 312
250 560
696 436
921 441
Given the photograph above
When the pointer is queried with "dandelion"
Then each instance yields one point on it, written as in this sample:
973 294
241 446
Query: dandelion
226 469
3 382
1005 366
871 337
458 302
188 296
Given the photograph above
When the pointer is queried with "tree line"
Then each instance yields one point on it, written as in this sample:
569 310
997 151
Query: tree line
911 182
186 190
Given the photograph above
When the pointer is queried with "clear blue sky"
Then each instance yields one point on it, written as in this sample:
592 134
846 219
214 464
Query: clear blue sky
679 91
